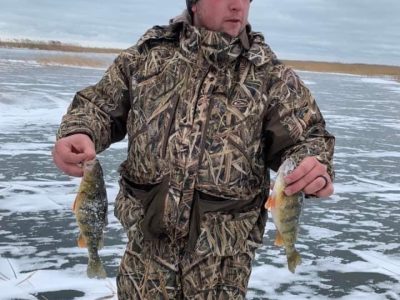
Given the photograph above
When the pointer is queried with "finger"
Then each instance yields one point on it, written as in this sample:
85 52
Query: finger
90 154
67 161
72 152
86 147
305 182
72 158
326 192
303 168
317 185
68 168
65 154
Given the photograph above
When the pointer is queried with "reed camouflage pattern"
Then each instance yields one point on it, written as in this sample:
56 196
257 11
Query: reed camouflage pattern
207 116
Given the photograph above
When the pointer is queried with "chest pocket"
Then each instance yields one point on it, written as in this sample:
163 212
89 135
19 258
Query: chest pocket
156 93
233 139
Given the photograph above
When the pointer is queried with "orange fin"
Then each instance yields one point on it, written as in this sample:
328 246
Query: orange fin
278 239
270 204
82 241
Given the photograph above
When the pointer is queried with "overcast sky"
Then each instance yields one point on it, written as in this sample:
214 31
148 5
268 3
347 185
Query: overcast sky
366 31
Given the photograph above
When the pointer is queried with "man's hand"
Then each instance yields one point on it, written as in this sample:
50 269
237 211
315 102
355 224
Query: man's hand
311 177
71 151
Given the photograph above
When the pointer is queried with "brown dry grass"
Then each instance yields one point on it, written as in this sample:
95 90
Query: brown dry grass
54 46
73 61
356 69
315 66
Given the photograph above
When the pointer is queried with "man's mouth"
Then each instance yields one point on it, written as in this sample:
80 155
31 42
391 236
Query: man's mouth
233 20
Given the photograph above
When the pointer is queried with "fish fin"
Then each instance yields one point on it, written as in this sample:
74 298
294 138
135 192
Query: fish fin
95 269
294 259
82 241
270 204
77 199
278 239
74 205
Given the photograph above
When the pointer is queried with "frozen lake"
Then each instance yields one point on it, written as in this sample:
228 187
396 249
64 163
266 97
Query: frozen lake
350 243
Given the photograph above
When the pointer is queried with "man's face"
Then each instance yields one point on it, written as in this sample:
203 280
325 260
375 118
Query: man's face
229 16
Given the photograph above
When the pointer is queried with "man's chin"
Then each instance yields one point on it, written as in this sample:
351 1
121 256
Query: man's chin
232 32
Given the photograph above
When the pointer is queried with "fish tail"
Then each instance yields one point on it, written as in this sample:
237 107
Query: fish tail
95 269
294 259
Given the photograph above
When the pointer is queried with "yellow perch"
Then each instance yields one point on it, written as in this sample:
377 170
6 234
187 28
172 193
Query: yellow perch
286 212
90 208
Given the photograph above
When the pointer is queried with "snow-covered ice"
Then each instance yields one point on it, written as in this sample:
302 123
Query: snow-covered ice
350 242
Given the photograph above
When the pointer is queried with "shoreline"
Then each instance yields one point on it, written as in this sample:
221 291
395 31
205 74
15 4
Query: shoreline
301 65
368 70
54 46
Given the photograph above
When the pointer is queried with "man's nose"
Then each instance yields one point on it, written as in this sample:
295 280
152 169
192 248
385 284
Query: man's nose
236 4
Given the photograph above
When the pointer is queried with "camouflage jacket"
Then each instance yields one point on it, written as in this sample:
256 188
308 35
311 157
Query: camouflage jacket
206 115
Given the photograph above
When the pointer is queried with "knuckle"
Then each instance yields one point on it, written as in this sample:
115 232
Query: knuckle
322 184
321 167
303 169
331 189
312 160
308 191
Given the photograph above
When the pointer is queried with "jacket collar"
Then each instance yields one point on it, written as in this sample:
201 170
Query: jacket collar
216 47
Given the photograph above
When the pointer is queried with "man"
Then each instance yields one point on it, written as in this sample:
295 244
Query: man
208 110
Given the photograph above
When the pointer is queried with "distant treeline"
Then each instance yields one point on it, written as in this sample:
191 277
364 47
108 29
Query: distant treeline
314 66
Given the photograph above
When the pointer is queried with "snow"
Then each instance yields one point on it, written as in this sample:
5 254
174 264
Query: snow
349 243
14 284
379 81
